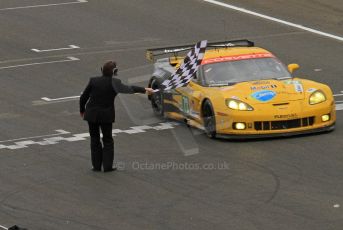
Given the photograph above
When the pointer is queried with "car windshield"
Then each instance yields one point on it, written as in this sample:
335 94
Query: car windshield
224 73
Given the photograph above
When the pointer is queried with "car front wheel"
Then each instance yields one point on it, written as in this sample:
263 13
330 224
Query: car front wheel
209 119
157 99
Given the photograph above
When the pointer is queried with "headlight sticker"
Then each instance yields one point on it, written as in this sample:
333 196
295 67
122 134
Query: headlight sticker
298 87
264 95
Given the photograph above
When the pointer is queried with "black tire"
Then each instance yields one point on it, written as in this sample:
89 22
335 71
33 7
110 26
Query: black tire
209 119
157 99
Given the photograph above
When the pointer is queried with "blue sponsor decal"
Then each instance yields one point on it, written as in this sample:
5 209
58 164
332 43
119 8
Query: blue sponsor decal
264 95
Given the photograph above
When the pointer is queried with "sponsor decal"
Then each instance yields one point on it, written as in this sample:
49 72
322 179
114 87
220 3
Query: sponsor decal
264 95
311 90
175 50
185 104
263 82
236 58
290 82
286 116
263 87
298 87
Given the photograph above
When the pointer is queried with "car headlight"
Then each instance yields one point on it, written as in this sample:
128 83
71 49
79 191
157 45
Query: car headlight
238 105
317 97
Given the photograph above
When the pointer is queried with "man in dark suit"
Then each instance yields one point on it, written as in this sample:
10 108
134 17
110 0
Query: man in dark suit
97 107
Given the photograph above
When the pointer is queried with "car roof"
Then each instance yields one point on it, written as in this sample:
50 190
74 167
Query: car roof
233 51
217 53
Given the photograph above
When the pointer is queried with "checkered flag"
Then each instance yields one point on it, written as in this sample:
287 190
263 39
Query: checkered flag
190 65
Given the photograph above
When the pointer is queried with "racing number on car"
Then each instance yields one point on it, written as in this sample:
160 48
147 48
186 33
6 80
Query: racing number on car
185 104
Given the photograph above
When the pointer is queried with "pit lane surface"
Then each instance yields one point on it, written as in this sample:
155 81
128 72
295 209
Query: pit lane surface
169 178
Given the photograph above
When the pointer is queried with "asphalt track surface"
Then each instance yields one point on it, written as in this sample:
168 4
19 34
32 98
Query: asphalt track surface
46 183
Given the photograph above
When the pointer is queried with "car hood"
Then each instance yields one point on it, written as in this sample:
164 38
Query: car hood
266 91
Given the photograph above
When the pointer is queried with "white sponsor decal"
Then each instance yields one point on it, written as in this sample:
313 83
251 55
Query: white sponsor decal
298 87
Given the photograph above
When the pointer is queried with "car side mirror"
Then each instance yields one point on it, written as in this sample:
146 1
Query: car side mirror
293 67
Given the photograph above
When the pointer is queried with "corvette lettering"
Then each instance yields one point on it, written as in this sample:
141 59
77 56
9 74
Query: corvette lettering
236 58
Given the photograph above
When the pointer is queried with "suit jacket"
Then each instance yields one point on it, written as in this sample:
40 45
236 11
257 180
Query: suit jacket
97 100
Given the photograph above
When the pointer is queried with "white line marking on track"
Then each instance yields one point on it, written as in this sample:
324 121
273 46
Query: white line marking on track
56 139
59 132
36 6
59 99
69 59
339 106
275 19
337 95
49 50
3 227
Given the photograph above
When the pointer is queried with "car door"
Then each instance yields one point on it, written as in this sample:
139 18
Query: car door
191 97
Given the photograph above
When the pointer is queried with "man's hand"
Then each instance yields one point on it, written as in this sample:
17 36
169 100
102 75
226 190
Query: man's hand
82 114
149 91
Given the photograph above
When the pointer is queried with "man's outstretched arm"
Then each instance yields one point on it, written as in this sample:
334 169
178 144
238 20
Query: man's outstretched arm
119 87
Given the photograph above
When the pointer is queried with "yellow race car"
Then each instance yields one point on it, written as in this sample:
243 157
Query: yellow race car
241 91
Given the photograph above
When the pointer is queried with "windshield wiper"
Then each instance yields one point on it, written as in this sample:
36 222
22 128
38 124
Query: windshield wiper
218 84
282 78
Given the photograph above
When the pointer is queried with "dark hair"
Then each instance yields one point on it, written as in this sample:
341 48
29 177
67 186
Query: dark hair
107 69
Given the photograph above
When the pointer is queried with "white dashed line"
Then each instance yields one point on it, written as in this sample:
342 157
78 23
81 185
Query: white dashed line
59 132
59 99
69 59
36 6
298 26
56 139
339 106
49 50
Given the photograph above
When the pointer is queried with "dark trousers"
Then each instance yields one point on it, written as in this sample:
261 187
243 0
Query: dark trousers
101 155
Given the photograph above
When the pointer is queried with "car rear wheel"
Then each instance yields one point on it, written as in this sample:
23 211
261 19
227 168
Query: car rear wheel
209 119
157 99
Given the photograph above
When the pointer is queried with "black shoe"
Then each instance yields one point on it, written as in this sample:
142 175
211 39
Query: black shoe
96 170
110 170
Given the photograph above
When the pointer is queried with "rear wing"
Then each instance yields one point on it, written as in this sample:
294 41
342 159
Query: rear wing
175 50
